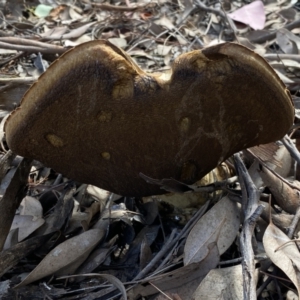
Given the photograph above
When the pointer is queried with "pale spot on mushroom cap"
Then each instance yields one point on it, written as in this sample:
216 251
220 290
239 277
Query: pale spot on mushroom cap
122 66
104 116
185 124
54 140
202 60
105 155
123 89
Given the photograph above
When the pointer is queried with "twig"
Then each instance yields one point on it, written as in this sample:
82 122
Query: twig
258 257
267 281
217 12
168 244
215 186
252 212
8 60
185 231
123 8
160 291
287 142
273 56
5 163
17 80
13 191
294 223
30 46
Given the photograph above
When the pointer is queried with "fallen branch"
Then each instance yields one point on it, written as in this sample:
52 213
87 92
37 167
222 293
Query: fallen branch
20 44
123 8
252 211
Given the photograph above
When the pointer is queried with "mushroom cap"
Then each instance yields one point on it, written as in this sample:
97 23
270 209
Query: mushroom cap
96 117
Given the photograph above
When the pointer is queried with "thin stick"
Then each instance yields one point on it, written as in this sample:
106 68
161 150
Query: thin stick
252 212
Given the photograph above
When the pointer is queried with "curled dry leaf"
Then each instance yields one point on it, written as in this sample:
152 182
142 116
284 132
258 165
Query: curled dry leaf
286 196
82 219
220 224
286 257
66 257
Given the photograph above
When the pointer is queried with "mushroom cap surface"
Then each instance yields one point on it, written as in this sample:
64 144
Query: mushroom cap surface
96 117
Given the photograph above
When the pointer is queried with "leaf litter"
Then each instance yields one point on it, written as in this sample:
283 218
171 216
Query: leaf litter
186 245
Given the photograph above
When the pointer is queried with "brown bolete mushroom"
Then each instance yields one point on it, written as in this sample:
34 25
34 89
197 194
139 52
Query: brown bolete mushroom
96 117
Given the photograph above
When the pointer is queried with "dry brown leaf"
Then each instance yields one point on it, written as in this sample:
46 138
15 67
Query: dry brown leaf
11 239
226 284
30 206
82 219
56 31
11 185
7 158
66 257
287 46
284 78
286 257
10 257
73 12
26 225
275 156
72 34
261 50
145 254
96 258
165 22
292 37
119 42
220 224
74 42
290 63
286 197
181 276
